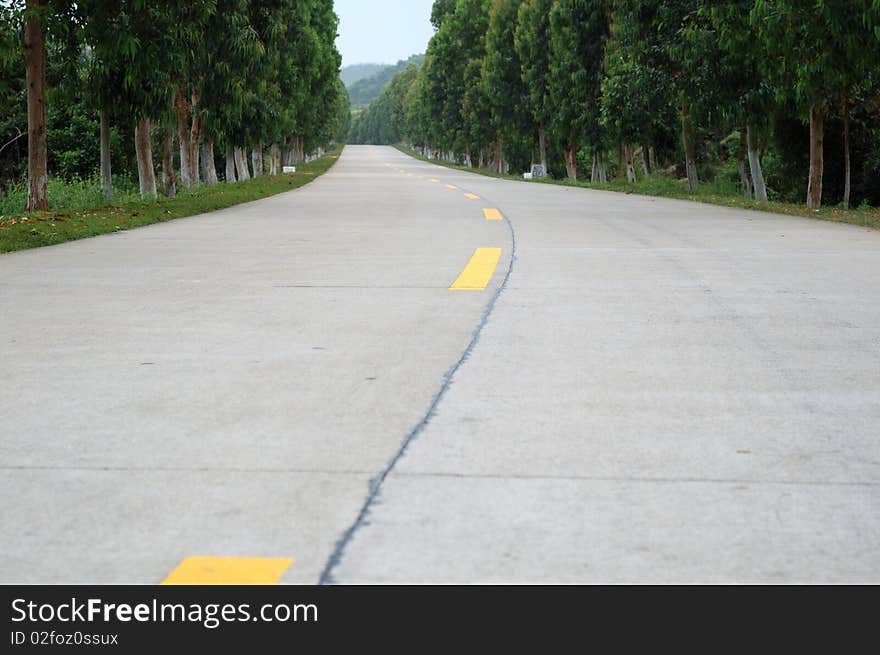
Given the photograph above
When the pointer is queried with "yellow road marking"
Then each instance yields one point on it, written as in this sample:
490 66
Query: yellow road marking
451 186
478 272
472 196
435 181
492 215
228 571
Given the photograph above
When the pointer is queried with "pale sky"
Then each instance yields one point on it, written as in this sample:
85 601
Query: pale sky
382 31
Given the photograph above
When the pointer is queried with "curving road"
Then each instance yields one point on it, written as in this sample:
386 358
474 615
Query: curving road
371 378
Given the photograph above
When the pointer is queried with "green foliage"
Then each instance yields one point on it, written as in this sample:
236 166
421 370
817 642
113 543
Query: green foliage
530 40
506 95
816 50
229 63
579 30
384 120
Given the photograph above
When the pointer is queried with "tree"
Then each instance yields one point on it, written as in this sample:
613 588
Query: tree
531 39
506 95
820 47
579 30
636 102
452 65
746 94
35 67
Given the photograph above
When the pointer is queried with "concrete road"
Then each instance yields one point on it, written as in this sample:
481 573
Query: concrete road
620 389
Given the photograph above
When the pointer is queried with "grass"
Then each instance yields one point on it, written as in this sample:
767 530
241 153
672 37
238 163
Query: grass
81 211
721 191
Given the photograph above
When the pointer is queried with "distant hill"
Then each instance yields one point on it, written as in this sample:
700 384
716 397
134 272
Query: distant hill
357 72
368 88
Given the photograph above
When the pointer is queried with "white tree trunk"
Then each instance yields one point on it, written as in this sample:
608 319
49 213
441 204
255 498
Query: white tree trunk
241 165
144 150
273 159
601 170
230 164
760 187
257 159
209 170
641 154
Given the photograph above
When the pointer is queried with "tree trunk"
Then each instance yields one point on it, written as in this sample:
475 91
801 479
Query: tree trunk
169 182
847 168
209 170
630 169
230 164
499 155
745 184
241 166
297 154
195 137
35 74
106 173
652 159
570 153
273 159
817 163
257 159
181 105
641 153
203 162
594 174
144 150
759 187
289 146
542 147
690 148
603 169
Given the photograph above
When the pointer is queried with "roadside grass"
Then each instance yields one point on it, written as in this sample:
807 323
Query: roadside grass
81 211
719 191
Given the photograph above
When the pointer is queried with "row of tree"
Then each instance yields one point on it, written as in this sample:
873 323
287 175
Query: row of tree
651 81
236 75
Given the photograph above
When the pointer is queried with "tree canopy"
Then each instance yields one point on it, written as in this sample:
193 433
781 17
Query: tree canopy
774 89
242 74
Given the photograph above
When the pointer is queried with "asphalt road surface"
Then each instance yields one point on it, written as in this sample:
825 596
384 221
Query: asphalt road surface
373 379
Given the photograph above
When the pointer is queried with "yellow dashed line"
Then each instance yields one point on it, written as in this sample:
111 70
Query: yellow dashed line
451 186
228 571
472 196
478 272
492 215
435 181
